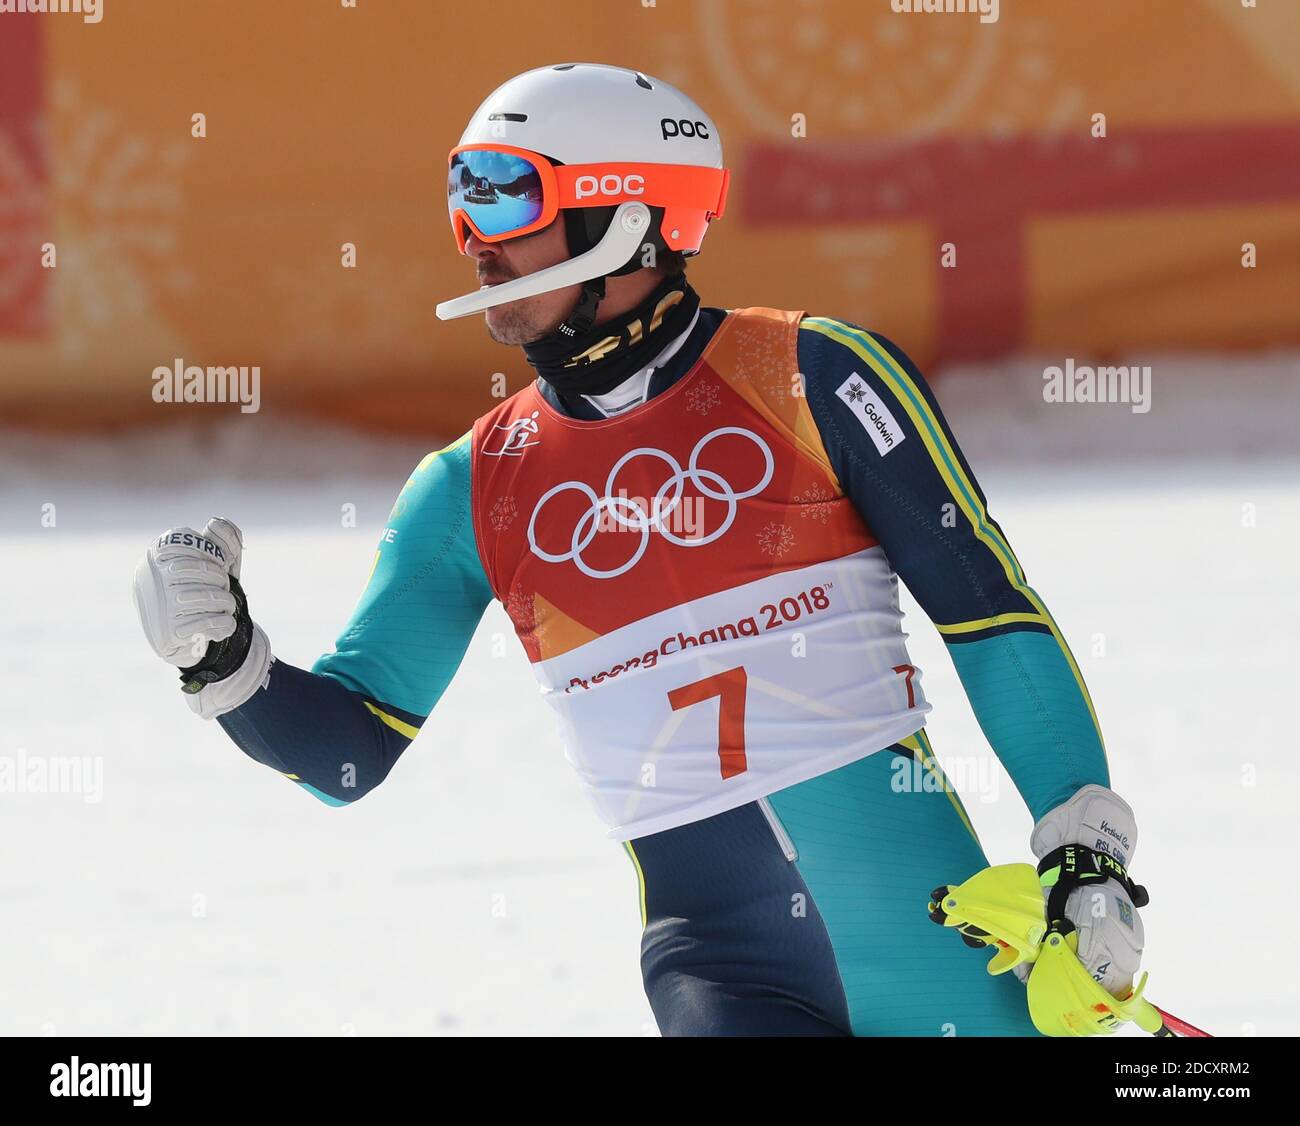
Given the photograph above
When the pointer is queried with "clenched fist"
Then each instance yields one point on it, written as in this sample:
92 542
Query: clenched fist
195 616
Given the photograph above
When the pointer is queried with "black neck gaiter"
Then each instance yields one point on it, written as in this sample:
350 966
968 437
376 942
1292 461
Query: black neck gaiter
598 360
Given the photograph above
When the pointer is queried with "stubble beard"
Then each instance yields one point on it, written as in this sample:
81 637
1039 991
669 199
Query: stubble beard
514 324
524 321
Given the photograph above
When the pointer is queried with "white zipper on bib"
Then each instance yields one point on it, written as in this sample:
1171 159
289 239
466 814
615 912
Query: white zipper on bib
778 830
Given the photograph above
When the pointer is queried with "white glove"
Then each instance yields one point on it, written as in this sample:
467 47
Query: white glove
184 597
1103 913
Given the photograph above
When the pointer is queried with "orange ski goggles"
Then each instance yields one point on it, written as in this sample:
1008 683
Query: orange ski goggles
499 192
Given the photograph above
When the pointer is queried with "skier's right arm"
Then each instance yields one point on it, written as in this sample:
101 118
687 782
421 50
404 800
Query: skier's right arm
338 729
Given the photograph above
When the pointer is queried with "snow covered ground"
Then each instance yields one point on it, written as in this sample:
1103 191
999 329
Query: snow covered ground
188 890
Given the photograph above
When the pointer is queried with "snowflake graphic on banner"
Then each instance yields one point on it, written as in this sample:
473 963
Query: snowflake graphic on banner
703 397
860 73
856 392
816 502
775 539
22 230
502 513
119 196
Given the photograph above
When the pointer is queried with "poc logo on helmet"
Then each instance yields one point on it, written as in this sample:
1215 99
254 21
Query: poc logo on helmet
683 127
585 186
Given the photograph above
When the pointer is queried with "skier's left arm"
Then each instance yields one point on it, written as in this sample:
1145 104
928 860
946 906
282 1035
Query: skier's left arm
900 464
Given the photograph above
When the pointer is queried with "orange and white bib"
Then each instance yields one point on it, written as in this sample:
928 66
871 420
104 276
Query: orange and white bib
704 608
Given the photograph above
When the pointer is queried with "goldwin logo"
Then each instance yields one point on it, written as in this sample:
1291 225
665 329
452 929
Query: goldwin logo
869 409
102 1080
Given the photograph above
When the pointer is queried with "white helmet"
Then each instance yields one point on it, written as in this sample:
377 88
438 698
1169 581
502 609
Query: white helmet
629 161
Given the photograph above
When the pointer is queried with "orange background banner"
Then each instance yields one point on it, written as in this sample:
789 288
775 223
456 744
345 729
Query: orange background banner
329 124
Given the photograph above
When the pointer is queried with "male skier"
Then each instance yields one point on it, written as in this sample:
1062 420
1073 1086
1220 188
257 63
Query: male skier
696 519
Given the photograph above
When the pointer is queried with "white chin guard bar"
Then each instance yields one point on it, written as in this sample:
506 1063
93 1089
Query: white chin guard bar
621 241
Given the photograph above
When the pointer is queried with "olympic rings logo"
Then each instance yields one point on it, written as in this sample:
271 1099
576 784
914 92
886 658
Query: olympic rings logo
630 513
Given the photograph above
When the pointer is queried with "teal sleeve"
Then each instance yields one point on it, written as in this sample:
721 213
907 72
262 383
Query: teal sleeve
919 496
426 594
1025 691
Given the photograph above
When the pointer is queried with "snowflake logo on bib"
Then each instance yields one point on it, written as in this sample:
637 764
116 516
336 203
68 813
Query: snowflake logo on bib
761 359
815 501
775 539
703 398
502 514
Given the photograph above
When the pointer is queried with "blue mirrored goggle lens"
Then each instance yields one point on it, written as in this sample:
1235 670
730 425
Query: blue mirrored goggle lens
499 191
